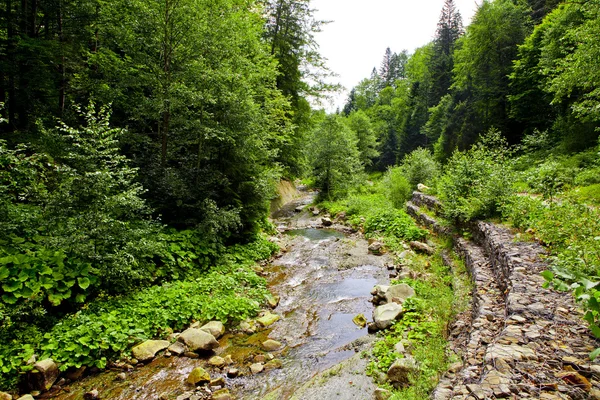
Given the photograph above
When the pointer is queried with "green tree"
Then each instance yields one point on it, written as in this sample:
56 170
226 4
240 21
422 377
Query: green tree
334 157
360 123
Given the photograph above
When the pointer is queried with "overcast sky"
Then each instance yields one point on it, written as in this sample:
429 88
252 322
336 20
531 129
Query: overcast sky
361 30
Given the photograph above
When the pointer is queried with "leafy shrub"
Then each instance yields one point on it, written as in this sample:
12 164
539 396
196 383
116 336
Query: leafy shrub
394 223
588 177
397 187
420 167
476 183
105 330
550 178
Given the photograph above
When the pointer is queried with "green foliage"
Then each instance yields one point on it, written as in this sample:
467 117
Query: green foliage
550 178
421 328
420 167
397 187
334 157
476 183
104 330
361 125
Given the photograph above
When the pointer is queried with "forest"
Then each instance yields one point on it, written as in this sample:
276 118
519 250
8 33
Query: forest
142 141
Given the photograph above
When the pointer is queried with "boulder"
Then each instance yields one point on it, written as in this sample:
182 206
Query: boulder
271 345
222 394
215 328
177 348
248 327
326 221
198 376
148 349
268 319
75 373
376 248
385 315
257 368
233 372
43 375
5 396
399 293
198 340
398 374
421 247
217 361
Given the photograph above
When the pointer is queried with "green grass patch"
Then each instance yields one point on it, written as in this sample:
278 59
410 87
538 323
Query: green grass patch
423 326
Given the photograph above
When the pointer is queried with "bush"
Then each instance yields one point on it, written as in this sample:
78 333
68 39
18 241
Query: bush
476 183
420 167
397 187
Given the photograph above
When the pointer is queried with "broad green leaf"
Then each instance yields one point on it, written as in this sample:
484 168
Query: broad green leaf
9 298
12 285
84 282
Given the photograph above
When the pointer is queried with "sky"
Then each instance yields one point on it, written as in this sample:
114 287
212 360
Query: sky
360 31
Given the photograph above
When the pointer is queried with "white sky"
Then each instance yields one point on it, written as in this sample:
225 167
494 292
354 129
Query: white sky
361 30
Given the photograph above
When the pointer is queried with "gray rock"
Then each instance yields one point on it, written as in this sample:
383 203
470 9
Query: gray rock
121 376
421 247
217 361
399 293
385 315
43 375
148 349
401 369
177 348
215 328
376 248
257 368
399 348
326 221
233 372
271 345
198 340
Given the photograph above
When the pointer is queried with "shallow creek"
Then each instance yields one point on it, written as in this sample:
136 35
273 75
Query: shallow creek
323 277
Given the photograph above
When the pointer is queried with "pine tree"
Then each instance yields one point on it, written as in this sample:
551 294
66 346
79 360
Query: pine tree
449 29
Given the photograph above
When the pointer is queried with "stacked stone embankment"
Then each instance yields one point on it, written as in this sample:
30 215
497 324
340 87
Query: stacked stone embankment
519 340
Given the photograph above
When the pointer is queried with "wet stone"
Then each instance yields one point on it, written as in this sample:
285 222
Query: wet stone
198 376
215 328
268 319
217 361
257 368
271 345
198 340
233 372
177 348
147 350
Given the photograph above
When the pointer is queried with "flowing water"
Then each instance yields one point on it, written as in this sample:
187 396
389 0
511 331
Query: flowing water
323 277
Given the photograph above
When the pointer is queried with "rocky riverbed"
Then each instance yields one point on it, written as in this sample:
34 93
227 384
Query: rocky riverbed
307 346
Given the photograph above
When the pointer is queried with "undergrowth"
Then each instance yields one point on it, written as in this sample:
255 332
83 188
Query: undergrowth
105 329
